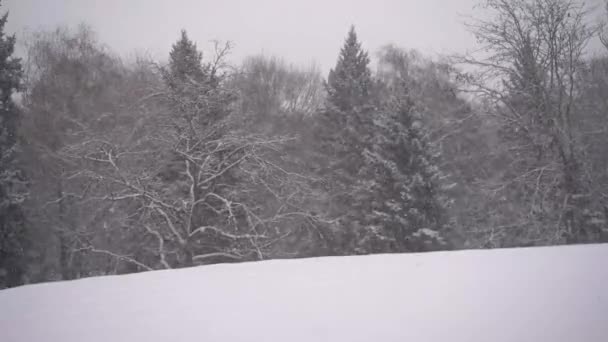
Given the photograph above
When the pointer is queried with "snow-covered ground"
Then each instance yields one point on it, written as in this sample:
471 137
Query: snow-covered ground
538 294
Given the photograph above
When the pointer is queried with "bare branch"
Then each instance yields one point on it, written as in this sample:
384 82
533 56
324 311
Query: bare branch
121 257
203 257
161 246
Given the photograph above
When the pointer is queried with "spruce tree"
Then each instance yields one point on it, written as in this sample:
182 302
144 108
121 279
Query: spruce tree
399 192
12 193
185 61
195 86
381 172
343 130
345 122
349 84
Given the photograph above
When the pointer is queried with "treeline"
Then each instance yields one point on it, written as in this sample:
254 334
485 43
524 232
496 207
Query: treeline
112 167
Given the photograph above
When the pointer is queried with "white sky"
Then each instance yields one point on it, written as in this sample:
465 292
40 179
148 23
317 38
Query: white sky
301 32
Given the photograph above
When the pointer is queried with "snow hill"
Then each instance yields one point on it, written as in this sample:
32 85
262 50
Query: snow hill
537 294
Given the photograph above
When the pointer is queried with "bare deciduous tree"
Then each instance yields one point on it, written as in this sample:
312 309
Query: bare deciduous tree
189 185
532 52
269 87
73 85
603 35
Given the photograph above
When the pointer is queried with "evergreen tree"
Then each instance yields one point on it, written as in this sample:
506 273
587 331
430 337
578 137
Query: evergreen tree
345 123
382 177
349 84
12 194
342 131
185 61
193 82
346 120
398 192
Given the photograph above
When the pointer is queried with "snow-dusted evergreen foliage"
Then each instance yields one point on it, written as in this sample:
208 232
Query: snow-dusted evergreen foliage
12 190
185 61
398 190
380 168
349 84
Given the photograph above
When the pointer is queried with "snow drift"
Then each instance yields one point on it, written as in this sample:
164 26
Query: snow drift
537 294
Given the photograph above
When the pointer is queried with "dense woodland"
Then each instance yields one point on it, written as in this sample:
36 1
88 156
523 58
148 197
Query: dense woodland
113 167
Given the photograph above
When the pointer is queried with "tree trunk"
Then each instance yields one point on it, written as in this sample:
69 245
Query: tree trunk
575 218
64 267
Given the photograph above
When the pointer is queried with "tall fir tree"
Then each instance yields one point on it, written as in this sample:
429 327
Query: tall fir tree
350 102
185 61
383 182
398 192
344 124
195 87
343 130
349 84
12 189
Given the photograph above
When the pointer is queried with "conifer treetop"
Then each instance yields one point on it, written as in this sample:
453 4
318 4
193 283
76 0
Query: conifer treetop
349 83
10 82
185 59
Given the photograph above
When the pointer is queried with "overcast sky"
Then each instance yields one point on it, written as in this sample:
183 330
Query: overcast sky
301 32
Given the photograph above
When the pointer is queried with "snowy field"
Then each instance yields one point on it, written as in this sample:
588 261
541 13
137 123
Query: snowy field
538 294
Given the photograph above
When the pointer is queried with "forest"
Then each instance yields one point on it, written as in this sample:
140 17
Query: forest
112 166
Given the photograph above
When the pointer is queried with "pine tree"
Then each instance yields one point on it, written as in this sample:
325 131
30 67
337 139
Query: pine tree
349 84
196 86
381 172
350 102
342 130
345 123
12 193
185 61
398 191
